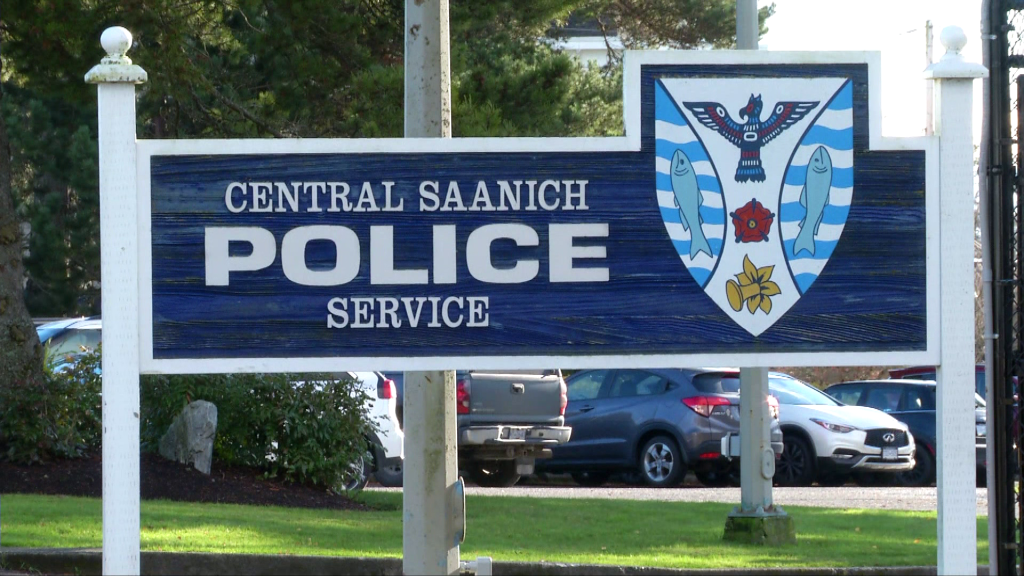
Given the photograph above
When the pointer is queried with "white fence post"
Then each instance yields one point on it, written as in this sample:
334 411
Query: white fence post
116 78
957 526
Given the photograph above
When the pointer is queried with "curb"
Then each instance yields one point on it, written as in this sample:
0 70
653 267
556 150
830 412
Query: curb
90 561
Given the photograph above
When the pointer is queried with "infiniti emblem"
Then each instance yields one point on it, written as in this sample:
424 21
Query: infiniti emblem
889 437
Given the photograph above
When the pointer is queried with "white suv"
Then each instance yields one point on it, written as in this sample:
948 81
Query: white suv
829 441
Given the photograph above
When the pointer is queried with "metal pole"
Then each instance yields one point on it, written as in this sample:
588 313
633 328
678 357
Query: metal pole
430 539
746 25
755 441
115 78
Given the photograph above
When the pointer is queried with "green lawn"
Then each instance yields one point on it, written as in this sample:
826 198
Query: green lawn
678 535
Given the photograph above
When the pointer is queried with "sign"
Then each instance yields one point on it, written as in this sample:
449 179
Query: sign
752 216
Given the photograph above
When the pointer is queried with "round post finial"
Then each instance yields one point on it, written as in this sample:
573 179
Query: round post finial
952 64
115 67
116 41
954 39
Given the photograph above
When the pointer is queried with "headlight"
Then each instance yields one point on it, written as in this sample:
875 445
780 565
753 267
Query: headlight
838 428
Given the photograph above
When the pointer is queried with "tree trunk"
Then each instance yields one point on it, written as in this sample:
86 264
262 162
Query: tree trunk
21 355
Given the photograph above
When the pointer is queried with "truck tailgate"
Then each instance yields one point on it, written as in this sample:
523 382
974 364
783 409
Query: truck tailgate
514 398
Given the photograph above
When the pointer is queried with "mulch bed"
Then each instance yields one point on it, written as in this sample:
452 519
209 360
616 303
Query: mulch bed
166 480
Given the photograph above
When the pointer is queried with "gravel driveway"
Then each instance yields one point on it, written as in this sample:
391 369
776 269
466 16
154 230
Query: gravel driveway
889 498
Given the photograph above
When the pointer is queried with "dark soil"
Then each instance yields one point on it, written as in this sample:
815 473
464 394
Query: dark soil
166 480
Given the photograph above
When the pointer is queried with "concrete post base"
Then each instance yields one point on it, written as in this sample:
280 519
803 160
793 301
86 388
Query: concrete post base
769 529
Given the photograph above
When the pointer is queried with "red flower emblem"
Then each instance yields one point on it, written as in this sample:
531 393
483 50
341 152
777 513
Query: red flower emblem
752 222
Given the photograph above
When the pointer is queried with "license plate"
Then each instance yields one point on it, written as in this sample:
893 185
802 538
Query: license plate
517 434
889 453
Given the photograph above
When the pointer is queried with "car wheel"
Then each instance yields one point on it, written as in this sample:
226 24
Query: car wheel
356 475
591 479
923 473
389 476
493 473
718 478
661 463
796 465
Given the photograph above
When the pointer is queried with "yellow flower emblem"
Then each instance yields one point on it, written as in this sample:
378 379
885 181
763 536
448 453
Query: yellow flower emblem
753 286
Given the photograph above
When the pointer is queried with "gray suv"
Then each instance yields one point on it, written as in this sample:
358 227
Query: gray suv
656 423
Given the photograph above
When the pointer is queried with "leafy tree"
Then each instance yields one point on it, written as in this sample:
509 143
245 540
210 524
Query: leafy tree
272 68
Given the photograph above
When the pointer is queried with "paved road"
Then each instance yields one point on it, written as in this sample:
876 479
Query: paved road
888 498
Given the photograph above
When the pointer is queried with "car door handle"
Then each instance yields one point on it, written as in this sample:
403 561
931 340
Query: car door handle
586 409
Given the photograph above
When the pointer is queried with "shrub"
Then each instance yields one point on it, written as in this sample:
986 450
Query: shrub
304 429
59 419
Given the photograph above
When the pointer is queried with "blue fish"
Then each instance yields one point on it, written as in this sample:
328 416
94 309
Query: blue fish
814 197
689 199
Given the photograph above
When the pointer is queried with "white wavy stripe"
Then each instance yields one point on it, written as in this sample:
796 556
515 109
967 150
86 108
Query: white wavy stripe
673 132
825 231
702 167
676 232
666 199
702 261
836 196
840 158
807 266
836 119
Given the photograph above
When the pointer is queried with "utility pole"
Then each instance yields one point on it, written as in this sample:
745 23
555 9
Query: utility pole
929 84
756 519
431 530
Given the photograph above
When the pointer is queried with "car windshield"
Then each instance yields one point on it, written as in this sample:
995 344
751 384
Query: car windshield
795 392
47 333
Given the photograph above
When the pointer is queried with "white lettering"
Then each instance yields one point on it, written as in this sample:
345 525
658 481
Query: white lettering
428 192
507 194
478 254
362 313
478 311
366 197
444 255
382 260
293 255
291 196
337 307
414 317
260 201
444 311
219 261
542 197
388 207
581 195
388 309
341 196
482 196
314 189
562 252
227 198
454 196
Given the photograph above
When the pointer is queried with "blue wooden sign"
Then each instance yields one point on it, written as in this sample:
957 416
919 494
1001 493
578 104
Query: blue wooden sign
752 215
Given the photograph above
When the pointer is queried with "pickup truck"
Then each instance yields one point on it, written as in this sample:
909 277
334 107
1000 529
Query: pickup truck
506 421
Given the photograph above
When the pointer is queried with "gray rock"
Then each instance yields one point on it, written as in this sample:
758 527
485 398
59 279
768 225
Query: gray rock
189 440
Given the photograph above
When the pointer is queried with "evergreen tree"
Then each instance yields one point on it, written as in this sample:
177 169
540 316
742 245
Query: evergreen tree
274 68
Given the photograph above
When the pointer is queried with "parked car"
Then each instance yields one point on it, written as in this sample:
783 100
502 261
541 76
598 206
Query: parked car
386 445
913 403
657 423
506 421
70 337
827 441
928 373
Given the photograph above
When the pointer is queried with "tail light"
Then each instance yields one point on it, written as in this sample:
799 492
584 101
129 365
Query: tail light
462 397
565 396
705 405
773 406
386 389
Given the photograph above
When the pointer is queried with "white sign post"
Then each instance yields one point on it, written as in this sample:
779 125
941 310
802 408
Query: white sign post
955 418
116 78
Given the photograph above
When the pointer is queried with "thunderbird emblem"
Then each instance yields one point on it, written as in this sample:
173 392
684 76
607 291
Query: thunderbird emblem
757 241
